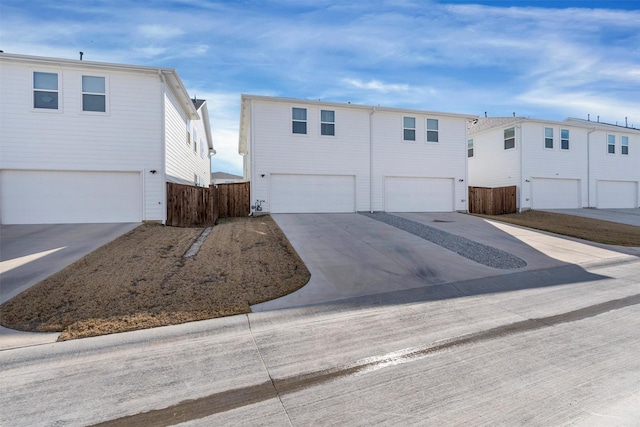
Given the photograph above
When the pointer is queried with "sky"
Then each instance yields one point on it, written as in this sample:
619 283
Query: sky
535 58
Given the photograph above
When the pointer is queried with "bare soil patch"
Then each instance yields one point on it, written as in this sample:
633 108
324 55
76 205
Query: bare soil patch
610 233
141 280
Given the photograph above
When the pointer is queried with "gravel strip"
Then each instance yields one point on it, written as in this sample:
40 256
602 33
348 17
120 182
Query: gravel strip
474 251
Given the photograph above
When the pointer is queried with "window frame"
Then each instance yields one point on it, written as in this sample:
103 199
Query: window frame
324 123
548 138
188 129
57 91
470 148
624 143
611 144
295 120
430 131
505 139
105 94
567 139
406 128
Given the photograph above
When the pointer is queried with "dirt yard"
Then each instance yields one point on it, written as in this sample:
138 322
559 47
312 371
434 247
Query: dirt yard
610 233
141 280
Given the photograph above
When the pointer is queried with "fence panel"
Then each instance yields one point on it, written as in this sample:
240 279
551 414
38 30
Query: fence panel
189 206
492 201
233 200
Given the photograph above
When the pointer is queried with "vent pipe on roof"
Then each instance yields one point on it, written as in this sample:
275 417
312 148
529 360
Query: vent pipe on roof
625 122
598 119
485 114
588 117
81 53
514 114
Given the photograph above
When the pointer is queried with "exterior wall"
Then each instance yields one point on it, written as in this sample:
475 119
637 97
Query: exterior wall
125 138
392 156
184 157
274 149
492 165
541 162
613 167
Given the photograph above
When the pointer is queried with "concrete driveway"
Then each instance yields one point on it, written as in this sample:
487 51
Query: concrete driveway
623 216
351 255
31 253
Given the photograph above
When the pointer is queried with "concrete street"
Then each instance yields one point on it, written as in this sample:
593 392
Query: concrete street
553 343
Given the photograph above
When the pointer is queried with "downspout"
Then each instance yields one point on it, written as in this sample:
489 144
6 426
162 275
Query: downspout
163 157
252 166
373 110
518 137
589 167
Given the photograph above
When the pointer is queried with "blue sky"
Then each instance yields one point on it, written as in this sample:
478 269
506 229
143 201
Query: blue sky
543 59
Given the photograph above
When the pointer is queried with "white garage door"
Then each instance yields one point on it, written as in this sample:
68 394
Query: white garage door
617 194
555 193
58 197
403 194
313 193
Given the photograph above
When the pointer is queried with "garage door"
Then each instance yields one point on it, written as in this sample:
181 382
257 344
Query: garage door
58 197
617 194
312 193
403 194
555 193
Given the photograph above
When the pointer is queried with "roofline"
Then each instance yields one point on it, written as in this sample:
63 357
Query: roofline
176 85
207 126
355 106
569 122
591 124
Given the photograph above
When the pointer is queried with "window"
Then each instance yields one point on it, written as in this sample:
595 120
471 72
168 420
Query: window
470 148
327 122
195 140
611 144
564 139
188 132
409 128
45 90
624 149
548 137
94 95
299 120
201 149
196 179
509 138
432 130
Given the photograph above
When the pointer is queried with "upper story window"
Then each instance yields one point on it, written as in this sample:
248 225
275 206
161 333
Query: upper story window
470 148
624 145
327 122
509 138
299 116
564 139
548 137
94 94
432 130
611 144
45 90
409 128
195 140
188 132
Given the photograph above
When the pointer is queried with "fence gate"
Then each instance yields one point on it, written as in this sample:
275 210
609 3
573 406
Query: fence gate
492 201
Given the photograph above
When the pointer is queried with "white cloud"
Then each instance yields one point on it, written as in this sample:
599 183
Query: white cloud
377 85
161 32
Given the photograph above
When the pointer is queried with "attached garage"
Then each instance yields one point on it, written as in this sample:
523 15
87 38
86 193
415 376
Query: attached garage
312 193
58 197
617 194
418 194
555 193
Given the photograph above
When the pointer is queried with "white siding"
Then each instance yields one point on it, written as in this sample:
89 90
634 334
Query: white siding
127 138
540 162
182 161
312 194
404 194
276 150
492 165
613 167
393 157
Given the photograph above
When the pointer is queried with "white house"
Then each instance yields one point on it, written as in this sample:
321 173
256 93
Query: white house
311 156
225 178
94 142
556 165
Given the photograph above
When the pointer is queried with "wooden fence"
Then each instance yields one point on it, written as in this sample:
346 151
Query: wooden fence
492 201
189 206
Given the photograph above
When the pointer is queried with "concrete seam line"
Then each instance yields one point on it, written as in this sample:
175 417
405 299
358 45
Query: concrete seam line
195 248
253 338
